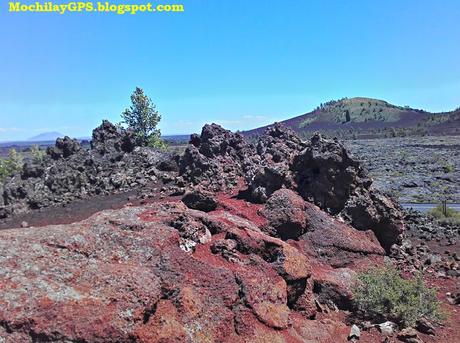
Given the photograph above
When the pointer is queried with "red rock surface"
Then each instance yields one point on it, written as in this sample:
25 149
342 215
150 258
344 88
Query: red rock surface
165 273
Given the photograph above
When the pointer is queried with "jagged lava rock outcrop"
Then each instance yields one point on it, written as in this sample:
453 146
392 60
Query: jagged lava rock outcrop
327 175
257 250
217 159
128 276
320 170
113 164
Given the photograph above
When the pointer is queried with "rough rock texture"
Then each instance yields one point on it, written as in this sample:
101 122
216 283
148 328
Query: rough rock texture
107 138
337 243
413 169
429 246
263 247
216 159
327 175
200 200
127 277
277 149
321 171
64 148
285 211
68 172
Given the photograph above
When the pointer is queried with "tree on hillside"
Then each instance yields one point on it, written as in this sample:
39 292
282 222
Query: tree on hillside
143 118
347 116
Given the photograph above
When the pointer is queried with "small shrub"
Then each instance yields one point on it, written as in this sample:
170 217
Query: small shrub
451 216
10 165
382 294
448 168
155 141
14 162
37 154
3 170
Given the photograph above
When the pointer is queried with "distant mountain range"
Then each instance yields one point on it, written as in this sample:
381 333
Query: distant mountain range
369 118
46 136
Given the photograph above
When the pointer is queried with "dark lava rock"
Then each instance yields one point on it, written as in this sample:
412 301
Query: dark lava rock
454 298
169 164
330 177
320 170
327 175
107 138
266 181
32 170
216 159
279 144
200 200
70 172
425 326
277 148
64 148
369 209
285 211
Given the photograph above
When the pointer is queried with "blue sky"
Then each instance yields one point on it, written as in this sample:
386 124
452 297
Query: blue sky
238 63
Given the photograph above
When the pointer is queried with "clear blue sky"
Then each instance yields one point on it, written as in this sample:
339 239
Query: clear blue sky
239 63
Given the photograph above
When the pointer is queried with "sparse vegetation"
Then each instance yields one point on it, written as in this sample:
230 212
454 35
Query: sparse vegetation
37 154
307 121
3 170
382 294
10 165
143 118
448 168
449 215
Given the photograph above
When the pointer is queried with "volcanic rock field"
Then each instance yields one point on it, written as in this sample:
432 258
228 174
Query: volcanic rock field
413 169
228 242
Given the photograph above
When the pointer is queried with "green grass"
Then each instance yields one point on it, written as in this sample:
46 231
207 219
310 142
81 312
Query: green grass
382 294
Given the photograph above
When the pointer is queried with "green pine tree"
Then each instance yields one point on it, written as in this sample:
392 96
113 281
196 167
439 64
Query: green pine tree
143 118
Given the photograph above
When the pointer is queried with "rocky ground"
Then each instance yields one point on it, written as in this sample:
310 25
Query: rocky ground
413 169
231 242
113 164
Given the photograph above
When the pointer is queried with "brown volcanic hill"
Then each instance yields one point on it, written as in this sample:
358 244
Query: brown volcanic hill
370 117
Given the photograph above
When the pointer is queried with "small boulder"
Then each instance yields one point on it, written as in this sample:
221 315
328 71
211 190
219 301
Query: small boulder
355 333
200 200
285 211
226 248
32 170
387 329
333 286
453 298
409 335
169 164
425 326
191 231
